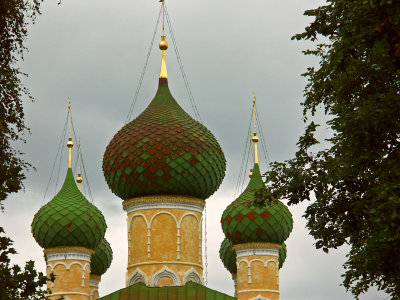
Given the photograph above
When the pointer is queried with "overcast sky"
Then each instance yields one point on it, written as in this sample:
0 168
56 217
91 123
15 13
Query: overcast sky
93 51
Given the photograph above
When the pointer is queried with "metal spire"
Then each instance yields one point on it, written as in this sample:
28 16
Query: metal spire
70 144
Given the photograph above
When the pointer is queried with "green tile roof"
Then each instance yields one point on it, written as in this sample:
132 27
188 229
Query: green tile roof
242 222
102 258
163 151
69 219
190 291
228 256
282 255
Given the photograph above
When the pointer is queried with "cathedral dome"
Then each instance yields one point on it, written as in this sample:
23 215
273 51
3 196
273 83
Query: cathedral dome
228 256
101 260
163 151
69 219
243 222
282 255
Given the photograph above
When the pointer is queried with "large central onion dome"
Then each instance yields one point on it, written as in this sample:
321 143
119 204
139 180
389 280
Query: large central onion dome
69 219
163 151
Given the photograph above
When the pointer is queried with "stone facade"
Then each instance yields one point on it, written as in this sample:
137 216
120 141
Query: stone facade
71 268
257 271
164 240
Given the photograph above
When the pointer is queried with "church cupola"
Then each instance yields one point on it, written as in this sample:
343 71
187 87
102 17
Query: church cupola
69 228
257 231
164 164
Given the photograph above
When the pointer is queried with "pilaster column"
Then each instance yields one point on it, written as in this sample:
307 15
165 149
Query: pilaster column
71 268
257 271
94 286
164 240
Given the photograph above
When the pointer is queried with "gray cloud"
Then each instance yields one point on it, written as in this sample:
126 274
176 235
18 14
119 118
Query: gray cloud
93 51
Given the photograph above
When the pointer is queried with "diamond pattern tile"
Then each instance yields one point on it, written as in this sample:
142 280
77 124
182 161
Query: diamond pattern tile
69 219
165 138
228 256
101 260
243 222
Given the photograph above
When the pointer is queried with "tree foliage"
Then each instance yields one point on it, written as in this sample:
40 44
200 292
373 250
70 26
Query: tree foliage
17 283
356 179
15 16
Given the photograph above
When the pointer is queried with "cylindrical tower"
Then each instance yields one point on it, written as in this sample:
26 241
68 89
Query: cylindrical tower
101 261
69 228
164 164
257 229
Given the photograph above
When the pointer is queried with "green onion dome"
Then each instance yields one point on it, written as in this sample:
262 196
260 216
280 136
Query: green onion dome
69 219
163 151
282 255
101 260
228 256
243 222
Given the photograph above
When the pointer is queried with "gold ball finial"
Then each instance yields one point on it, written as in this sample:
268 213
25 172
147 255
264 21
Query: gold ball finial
255 138
70 143
251 173
79 179
163 45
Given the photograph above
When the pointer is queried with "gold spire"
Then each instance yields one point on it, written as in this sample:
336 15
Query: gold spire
79 178
70 144
163 46
255 137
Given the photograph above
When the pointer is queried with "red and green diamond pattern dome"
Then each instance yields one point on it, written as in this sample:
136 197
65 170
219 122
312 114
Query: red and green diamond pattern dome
243 222
69 219
102 258
163 151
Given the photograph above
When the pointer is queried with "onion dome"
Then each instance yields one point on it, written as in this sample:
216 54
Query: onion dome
101 260
282 255
243 222
163 151
69 219
228 256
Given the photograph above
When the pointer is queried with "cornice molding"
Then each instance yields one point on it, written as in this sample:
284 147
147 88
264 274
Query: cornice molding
164 201
59 254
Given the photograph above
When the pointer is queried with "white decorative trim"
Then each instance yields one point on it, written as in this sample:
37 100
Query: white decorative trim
165 262
257 291
192 275
259 297
265 263
162 205
68 255
164 213
165 272
84 267
272 251
94 283
138 276
67 293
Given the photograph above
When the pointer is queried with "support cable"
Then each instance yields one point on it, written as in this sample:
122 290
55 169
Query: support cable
185 80
83 163
243 165
61 156
128 117
55 160
263 142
